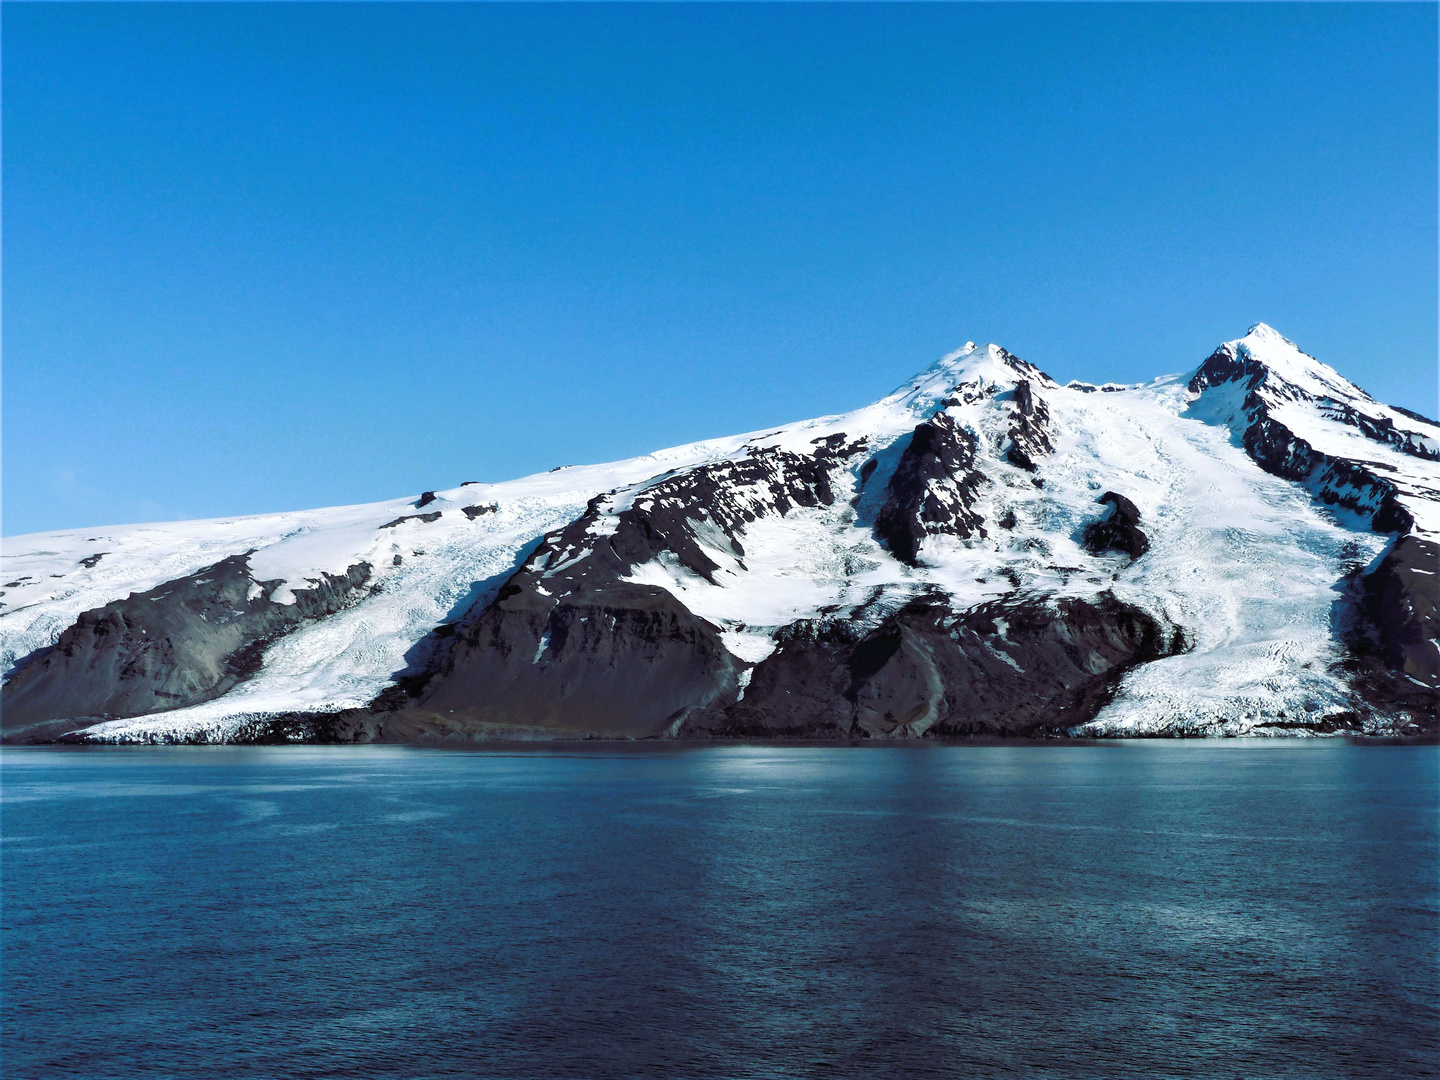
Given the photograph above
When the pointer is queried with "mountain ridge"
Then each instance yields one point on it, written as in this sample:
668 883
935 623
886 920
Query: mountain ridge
982 551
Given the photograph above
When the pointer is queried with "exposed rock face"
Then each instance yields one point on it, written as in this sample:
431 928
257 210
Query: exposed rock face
619 660
718 501
932 564
932 490
424 519
1388 624
185 642
1401 598
1119 530
1278 450
570 645
1029 436
1357 486
1023 667
937 481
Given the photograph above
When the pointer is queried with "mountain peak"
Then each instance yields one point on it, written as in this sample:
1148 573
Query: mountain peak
988 363
1265 332
1287 362
1264 356
977 552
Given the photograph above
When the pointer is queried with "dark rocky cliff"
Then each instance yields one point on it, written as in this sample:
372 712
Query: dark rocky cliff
1017 667
932 490
1355 486
1402 598
184 642
1393 634
569 645
589 628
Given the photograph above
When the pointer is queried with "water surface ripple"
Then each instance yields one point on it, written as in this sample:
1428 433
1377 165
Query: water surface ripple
1149 910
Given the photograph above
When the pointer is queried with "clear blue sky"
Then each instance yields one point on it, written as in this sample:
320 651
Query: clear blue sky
263 257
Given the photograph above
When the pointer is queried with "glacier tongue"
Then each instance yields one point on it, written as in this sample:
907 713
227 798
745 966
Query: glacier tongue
885 545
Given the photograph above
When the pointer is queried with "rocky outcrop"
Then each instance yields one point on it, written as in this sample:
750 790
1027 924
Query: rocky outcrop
569 645
184 642
1357 486
933 489
617 660
1118 530
1401 598
527 613
1029 435
936 483
1016 667
1334 481
424 519
1387 621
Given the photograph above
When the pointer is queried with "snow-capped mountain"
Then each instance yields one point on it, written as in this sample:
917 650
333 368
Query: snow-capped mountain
1249 548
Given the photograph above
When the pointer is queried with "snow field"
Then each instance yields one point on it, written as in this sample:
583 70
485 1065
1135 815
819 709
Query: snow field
1244 562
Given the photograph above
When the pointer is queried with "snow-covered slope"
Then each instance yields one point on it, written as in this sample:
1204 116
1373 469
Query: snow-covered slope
426 568
938 562
1300 419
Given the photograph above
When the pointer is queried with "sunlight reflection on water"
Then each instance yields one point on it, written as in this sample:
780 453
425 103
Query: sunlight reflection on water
1205 910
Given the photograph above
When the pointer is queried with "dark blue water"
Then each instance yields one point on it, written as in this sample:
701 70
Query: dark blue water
1188 910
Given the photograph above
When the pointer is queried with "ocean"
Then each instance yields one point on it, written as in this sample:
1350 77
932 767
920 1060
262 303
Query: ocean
1149 909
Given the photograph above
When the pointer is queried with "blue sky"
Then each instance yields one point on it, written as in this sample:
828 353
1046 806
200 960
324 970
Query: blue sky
264 257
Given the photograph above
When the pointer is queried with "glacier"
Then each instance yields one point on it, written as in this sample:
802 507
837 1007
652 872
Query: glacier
943 536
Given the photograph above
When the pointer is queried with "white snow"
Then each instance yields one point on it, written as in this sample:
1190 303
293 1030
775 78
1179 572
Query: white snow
1416 478
794 566
1219 526
1247 564
339 662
